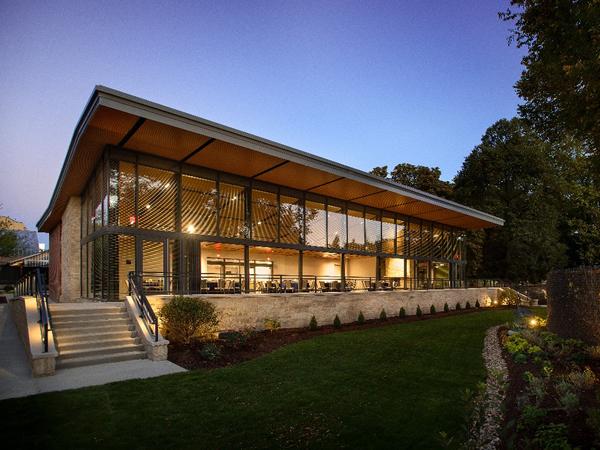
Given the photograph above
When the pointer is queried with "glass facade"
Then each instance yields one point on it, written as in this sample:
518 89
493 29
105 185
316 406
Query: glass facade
179 223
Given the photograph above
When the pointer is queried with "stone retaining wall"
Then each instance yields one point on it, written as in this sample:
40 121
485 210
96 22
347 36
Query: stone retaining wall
295 310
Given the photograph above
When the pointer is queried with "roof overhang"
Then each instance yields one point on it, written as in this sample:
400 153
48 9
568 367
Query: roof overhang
116 118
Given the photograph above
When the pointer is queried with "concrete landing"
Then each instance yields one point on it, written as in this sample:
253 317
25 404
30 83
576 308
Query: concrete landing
15 372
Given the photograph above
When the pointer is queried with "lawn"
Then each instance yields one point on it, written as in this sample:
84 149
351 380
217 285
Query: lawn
395 386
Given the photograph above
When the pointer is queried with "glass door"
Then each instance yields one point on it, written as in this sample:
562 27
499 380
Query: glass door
154 266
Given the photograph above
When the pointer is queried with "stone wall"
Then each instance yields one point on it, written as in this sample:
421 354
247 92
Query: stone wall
54 271
70 255
295 310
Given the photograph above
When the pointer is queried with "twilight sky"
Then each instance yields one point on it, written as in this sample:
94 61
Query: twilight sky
361 83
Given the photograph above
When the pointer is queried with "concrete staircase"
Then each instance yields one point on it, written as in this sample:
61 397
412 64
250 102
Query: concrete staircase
88 334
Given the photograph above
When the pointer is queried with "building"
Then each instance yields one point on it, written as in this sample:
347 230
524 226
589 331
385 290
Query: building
27 240
198 207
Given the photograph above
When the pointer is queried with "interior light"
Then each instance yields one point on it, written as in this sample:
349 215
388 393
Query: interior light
218 255
191 228
258 223
168 185
148 206
131 220
234 197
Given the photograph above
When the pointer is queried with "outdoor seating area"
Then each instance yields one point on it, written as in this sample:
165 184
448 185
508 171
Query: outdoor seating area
211 283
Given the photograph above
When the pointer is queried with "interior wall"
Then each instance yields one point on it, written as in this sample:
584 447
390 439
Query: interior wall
361 266
322 267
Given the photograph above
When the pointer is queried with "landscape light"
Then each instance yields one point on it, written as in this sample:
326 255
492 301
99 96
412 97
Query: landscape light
533 322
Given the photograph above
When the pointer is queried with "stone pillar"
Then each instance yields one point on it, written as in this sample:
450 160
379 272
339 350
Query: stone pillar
70 255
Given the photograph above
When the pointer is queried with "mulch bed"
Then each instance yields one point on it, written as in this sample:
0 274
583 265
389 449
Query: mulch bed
579 434
263 342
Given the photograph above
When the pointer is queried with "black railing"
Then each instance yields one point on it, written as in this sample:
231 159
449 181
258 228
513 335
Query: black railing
34 285
161 283
147 314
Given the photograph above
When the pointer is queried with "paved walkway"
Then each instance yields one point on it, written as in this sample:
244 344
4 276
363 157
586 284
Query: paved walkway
15 372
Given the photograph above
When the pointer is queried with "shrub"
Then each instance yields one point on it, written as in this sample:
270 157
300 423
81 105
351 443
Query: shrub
432 309
210 351
271 324
361 317
569 401
402 312
419 312
468 305
336 322
458 307
446 307
186 317
593 352
477 305
312 326
508 297
383 315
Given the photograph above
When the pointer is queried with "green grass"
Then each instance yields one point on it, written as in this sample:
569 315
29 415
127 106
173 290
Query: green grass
395 386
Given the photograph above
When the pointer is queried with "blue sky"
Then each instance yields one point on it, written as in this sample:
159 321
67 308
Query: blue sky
362 83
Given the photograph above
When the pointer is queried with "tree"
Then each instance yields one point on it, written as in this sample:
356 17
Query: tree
9 241
420 177
511 175
560 82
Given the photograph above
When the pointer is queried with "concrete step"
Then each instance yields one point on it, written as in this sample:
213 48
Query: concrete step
84 323
56 312
84 336
96 343
93 329
64 318
102 359
99 351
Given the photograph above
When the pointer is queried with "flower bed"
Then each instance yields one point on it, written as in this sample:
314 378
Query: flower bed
553 397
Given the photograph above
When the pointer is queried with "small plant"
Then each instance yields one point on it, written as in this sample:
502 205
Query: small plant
551 436
531 417
312 326
432 310
468 305
458 307
186 317
569 401
508 297
271 324
210 351
446 307
402 313
593 352
361 318
336 322
582 381
383 315
419 312
477 305
536 387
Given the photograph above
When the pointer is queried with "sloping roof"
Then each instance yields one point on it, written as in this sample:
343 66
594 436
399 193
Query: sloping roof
116 118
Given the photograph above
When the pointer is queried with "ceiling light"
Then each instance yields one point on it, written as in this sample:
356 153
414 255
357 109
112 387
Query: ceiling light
191 229
148 206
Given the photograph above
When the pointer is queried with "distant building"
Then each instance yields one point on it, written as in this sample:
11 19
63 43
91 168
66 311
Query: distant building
28 240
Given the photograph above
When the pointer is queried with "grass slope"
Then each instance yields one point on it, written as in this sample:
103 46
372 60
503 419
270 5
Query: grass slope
395 386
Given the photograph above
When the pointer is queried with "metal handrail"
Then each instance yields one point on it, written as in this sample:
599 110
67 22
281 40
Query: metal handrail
136 290
34 284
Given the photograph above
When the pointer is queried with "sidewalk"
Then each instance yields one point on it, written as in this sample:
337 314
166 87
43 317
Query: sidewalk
15 373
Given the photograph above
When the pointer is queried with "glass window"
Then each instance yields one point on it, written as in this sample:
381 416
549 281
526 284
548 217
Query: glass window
373 231
388 234
315 224
356 229
232 211
426 239
122 194
157 192
414 236
265 215
401 237
198 205
291 213
336 226
437 242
